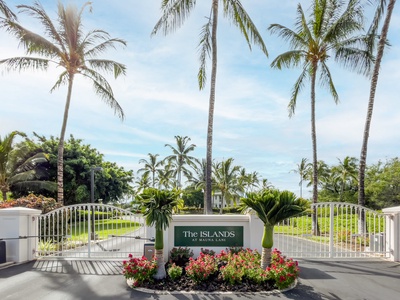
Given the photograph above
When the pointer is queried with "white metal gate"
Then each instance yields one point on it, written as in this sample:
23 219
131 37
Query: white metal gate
342 234
91 231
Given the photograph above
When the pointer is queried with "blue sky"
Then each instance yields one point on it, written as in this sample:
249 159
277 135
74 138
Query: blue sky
161 99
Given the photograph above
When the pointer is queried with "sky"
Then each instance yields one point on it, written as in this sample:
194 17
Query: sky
161 99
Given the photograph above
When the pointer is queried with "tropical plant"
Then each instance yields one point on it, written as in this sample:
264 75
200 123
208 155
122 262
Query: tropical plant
346 173
174 13
303 168
198 177
33 175
226 181
6 147
272 207
333 30
374 82
157 207
180 157
248 181
151 167
67 47
166 178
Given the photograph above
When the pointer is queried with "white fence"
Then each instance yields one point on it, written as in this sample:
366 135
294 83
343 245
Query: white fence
90 231
342 233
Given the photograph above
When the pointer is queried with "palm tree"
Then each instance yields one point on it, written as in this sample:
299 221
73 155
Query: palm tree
347 173
374 82
226 180
248 181
6 11
174 13
151 166
32 175
6 147
180 156
166 178
272 207
302 169
332 31
67 47
158 206
198 176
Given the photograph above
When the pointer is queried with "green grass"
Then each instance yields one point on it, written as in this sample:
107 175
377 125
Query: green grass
103 228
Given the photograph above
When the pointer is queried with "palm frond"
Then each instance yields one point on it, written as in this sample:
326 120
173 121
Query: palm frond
205 50
6 11
62 80
114 67
174 14
326 80
297 88
37 11
104 90
22 63
234 10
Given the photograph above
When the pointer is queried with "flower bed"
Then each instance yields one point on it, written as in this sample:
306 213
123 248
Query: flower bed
232 270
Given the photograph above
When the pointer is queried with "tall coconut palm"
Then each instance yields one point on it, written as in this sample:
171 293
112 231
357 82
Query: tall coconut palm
198 176
6 147
174 13
6 11
302 169
374 82
333 30
226 181
66 46
151 166
180 157
158 206
272 207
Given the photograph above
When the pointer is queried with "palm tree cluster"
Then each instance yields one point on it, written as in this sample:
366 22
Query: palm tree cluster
229 181
334 30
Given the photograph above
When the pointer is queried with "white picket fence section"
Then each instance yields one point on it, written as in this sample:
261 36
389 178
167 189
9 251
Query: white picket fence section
91 231
341 234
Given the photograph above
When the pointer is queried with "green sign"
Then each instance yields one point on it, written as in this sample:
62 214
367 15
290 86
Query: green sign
201 236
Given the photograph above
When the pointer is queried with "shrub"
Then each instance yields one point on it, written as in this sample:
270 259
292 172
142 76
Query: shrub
282 270
180 256
202 268
139 269
32 201
207 251
175 272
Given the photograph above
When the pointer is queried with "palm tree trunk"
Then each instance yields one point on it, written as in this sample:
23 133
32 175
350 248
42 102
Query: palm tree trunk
60 158
314 146
374 82
267 243
159 254
222 204
207 204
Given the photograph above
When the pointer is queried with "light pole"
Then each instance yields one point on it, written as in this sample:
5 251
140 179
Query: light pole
92 170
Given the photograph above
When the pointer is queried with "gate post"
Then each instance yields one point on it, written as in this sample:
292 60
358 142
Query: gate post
19 229
392 232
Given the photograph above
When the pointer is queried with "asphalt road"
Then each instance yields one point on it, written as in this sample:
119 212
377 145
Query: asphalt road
320 279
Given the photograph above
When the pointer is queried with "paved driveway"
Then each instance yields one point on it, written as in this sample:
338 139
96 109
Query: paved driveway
323 279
